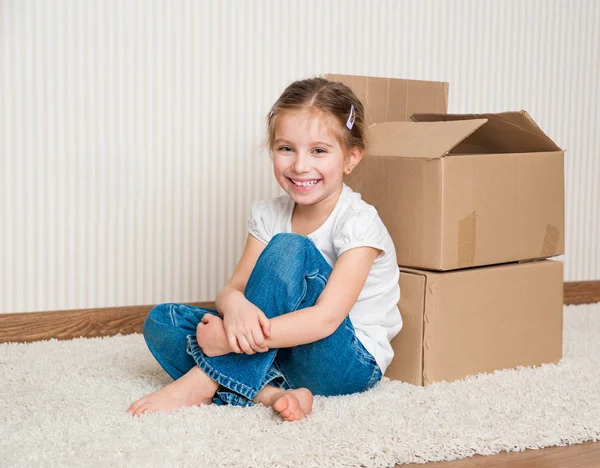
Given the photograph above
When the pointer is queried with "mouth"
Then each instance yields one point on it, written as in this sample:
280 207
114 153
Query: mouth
304 185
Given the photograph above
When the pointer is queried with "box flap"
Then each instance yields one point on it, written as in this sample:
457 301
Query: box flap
394 99
428 140
506 132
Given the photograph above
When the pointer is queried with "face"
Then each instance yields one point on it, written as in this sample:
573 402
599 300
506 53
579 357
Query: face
308 160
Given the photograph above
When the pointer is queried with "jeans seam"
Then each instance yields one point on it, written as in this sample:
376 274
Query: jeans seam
311 275
374 378
302 296
285 378
233 399
364 353
270 372
318 275
171 314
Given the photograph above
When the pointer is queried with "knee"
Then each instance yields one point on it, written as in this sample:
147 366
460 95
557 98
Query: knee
286 254
286 243
159 314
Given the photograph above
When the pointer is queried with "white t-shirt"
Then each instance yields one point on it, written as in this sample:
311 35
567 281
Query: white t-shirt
352 223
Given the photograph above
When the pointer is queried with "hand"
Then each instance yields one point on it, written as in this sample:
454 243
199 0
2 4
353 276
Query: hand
246 326
211 337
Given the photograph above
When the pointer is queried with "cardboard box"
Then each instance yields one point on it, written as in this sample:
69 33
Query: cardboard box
458 191
465 322
392 99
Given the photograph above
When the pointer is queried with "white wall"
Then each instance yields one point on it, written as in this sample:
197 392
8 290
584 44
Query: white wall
130 130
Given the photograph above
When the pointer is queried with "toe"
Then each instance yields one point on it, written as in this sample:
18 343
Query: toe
281 404
141 409
135 404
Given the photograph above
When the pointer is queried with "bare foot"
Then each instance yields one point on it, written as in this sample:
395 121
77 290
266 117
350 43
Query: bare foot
193 389
293 405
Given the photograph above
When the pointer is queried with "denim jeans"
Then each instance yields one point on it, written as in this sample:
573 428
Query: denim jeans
289 275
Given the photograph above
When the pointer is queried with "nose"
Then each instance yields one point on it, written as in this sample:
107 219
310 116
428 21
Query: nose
301 163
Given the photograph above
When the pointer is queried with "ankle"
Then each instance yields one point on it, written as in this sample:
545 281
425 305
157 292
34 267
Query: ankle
199 384
268 395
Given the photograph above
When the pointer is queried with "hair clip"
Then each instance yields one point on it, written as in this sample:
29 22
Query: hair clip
351 117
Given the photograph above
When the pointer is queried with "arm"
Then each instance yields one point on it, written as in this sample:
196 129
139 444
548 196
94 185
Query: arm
334 304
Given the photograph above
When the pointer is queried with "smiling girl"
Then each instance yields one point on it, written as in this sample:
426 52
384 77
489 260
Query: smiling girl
312 304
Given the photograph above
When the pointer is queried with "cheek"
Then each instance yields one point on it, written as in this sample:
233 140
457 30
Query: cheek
278 165
334 167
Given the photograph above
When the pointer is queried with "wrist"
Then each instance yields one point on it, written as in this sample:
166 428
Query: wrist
226 347
225 299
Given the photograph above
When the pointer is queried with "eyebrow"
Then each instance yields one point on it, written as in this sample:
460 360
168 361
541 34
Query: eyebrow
281 140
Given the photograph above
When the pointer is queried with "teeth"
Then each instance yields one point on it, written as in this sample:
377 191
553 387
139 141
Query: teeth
305 184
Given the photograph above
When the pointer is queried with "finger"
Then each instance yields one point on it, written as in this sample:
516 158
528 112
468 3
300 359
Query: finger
232 340
206 318
259 340
265 324
243 342
254 336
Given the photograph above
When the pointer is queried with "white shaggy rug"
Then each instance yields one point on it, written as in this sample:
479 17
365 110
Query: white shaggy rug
62 403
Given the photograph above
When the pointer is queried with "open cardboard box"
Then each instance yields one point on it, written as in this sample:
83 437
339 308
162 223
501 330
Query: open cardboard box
465 322
458 191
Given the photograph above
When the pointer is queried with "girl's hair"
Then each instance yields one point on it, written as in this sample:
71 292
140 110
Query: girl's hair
332 98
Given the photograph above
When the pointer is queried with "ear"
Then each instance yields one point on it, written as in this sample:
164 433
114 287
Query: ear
353 158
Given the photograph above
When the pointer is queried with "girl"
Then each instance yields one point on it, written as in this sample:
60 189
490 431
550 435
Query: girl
312 304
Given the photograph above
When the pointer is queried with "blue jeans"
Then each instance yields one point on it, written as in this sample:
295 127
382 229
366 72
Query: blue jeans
290 274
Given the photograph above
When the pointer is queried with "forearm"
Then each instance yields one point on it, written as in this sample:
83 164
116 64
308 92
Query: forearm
297 328
227 293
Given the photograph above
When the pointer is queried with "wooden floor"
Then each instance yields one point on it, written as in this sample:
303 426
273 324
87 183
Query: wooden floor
586 455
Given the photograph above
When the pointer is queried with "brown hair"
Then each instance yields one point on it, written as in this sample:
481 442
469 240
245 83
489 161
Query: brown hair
333 98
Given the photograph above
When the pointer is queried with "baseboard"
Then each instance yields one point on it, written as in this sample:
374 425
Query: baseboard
582 292
88 323
69 324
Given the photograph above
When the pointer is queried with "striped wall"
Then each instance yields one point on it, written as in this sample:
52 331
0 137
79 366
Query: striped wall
130 130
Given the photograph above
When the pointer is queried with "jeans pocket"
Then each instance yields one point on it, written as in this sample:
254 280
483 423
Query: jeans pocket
363 351
358 346
370 361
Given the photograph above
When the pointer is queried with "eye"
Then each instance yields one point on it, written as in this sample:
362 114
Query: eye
320 151
285 148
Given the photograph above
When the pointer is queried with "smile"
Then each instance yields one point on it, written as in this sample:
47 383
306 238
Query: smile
308 183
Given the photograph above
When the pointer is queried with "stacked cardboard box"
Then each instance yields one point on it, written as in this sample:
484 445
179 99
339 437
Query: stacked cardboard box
475 206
